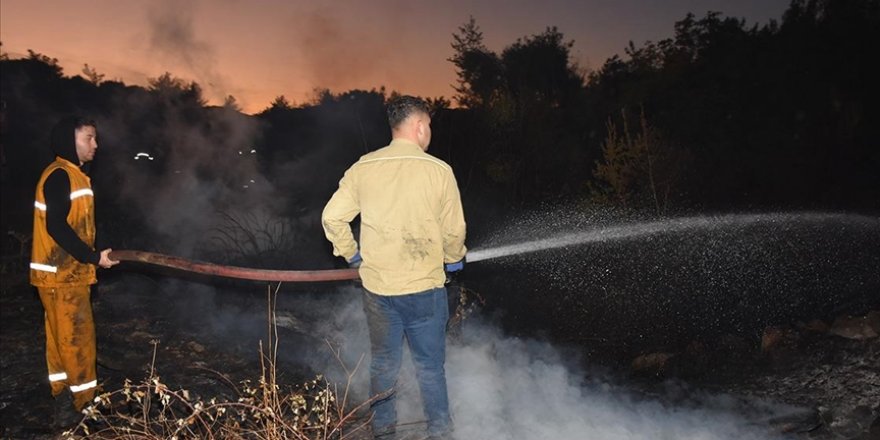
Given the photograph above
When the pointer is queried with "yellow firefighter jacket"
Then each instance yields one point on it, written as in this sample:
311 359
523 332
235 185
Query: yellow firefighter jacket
411 219
52 266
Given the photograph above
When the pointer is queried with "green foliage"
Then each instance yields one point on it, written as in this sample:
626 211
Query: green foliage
638 167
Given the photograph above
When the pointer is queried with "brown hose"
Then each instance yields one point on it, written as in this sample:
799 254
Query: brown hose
232 271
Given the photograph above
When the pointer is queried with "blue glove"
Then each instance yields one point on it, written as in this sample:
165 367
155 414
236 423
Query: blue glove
455 267
355 261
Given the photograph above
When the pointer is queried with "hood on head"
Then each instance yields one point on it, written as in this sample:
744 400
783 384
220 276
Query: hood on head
63 139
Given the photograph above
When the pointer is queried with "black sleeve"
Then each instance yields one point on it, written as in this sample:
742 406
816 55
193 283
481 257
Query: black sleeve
56 190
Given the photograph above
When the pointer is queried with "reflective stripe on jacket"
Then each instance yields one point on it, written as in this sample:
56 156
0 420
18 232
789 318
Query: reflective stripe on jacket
52 266
411 219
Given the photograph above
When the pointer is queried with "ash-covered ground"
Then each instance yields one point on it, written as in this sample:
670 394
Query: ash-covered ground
813 385
733 334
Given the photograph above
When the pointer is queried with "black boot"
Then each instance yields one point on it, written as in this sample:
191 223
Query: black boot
65 415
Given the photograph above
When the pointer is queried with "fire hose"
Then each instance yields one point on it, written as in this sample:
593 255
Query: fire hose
243 273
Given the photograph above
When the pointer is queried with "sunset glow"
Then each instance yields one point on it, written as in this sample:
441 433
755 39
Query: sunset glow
256 51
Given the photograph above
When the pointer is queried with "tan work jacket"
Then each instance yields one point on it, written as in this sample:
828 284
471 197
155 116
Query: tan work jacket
52 266
411 219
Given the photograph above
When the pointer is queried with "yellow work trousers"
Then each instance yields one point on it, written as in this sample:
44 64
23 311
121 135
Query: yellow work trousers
70 342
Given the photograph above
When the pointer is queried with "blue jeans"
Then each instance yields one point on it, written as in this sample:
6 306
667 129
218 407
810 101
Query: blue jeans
421 318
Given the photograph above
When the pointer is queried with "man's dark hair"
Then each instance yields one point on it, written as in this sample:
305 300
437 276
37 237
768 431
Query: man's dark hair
402 107
83 121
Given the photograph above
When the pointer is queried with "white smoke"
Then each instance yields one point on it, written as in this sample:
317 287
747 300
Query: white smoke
510 389
506 388
174 37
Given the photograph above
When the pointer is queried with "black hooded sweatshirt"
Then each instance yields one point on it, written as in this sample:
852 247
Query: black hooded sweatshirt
56 191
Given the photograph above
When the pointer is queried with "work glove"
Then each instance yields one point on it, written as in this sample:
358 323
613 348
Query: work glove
355 261
455 267
452 270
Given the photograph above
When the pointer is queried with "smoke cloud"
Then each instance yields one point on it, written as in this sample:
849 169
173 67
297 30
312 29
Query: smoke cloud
200 168
507 388
335 55
173 36
500 387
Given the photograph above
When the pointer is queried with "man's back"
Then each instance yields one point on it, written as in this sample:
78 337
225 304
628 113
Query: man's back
411 217
411 224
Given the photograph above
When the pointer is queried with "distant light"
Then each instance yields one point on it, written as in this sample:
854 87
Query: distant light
240 153
140 155
244 186
253 150
252 181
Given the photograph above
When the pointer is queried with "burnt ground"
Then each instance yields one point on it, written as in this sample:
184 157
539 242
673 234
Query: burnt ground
755 310
833 381
755 313
836 378
141 327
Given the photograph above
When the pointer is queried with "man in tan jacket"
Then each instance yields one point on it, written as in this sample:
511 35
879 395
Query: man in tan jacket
412 232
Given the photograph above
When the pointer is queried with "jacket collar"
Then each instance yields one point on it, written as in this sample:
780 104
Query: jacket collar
405 144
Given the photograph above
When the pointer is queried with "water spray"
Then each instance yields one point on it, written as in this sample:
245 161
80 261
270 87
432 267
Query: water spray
650 228
610 233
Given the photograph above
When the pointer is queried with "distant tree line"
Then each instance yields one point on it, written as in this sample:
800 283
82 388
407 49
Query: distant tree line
720 116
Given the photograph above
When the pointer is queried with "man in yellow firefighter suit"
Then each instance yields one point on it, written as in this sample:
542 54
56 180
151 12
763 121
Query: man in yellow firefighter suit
63 263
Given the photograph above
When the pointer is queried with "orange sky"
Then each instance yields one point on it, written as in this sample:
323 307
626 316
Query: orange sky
256 50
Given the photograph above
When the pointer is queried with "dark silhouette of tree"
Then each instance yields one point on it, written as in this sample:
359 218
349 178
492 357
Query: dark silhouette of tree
92 75
280 103
438 104
231 103
539 68
478 69
527 98
176 91
771 115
